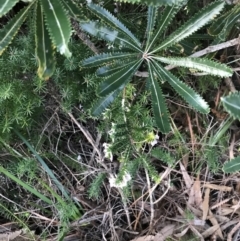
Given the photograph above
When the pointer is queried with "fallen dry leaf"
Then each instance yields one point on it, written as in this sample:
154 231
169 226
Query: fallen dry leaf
10 235
196 212
217 187
237 188
185 160
221 219
196 232
164 233
228 224
186 177
205 204
179 235
195 196
220 203
144 238
214 222
210 231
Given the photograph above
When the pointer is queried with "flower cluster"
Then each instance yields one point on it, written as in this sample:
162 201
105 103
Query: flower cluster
114 183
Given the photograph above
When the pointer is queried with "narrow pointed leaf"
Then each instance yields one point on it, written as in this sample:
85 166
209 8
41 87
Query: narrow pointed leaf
111 69
231 103
25 186
44 48
232 166
107 17
205 65
166 17
6 6
158 103
101 104
199 20
58 24
153 2
11 28
45 166
185 91
105 58
118 79
102 31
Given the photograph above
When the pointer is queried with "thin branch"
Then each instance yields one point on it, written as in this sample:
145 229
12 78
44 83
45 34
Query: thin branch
84 37
217 47
229 84
207 50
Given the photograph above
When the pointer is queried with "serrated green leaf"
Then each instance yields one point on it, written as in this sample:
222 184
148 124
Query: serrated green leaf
74 11
158 103
229 24
232 166
205 65
231 103
118 79
6 6
187 93
225 22
109 19
113 68
44 48
106 58
153 2
12 27
104 102
166 17
151 20
58 24
199 20
102 31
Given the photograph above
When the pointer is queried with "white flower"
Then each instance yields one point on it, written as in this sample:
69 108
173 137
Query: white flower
112 180
112 132
107 152
110 46
79 158
154 142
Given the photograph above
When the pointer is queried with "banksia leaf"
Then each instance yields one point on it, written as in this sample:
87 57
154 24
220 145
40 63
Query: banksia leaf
111 69
58 24
100 106
105 58
199 20
158 103
231 103
44 48
102 31
112 21
151 20
185 91
232 166
118 79
205 65
153 2
225 22
166 17
6 6
11 28
74 11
